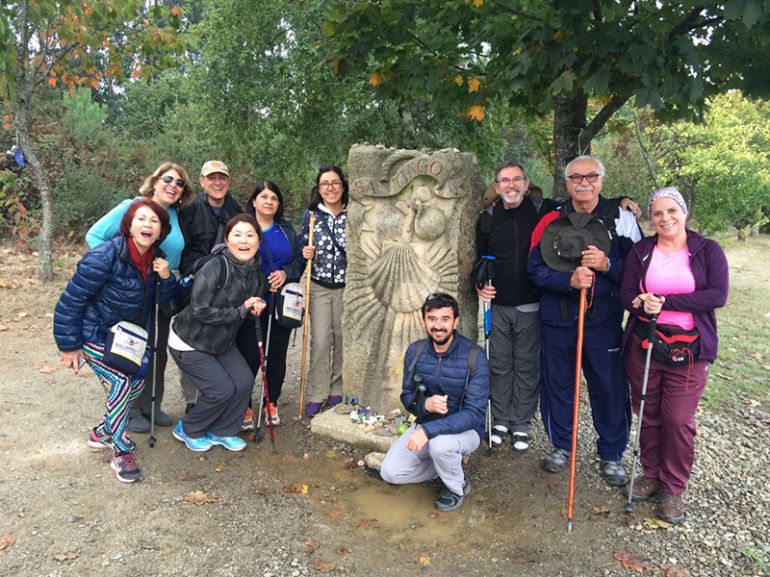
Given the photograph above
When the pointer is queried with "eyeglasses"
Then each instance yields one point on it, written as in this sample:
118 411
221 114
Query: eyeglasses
514 180
326 185
578 178
169 179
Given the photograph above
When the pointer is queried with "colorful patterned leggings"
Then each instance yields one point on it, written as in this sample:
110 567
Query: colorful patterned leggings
121 391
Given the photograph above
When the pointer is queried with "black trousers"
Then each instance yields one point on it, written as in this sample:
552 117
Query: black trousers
276 351
160 359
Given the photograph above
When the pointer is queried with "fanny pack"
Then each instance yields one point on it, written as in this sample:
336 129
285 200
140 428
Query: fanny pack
290 305
673 345
125 347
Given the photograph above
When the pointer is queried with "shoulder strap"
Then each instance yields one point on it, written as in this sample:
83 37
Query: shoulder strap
473 354
538 202
325 225
487 221
417 352
609 214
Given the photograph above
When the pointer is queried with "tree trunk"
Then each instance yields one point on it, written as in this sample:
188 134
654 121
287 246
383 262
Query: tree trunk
25 85
45 239
569 119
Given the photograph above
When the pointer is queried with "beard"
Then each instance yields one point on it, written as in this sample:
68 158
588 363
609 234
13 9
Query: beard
443 339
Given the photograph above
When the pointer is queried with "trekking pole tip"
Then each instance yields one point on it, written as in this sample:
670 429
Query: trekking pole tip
151 442
569 526
629 508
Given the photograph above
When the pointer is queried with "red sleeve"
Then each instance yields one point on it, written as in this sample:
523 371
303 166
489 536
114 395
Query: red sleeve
541 226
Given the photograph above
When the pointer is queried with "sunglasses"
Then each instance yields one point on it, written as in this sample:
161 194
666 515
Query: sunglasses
169 179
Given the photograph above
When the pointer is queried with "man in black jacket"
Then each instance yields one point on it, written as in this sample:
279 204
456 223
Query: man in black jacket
503 231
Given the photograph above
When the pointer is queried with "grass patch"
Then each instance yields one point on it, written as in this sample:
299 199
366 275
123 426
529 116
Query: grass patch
741 370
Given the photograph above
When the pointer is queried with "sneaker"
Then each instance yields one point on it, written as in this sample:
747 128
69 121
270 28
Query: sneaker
447 501
125 467
520 442
229 443
556 461
271 412
333 401
614 473
188 407
198 445
248 420
644 488
671 508
138 423
161 419
499 433
97 441
312 409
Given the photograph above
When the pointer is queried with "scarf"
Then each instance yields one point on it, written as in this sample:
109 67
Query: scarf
140 261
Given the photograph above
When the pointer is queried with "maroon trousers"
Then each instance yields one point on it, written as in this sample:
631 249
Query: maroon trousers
668 423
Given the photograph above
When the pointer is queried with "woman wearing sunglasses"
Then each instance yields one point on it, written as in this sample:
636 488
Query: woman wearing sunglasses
169 186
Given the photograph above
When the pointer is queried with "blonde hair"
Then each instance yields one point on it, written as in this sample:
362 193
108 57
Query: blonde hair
148 186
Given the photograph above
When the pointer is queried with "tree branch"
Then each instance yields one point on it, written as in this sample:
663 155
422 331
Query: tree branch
516 12
645 151
597 123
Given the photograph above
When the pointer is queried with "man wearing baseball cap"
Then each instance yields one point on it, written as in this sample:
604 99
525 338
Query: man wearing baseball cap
203 223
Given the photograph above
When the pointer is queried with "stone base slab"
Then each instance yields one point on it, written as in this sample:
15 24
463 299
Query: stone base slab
332 425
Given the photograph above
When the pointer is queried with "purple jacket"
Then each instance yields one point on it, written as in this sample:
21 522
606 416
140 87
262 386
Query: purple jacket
709 268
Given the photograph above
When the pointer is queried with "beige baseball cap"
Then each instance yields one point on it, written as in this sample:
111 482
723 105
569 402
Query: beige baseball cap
213 166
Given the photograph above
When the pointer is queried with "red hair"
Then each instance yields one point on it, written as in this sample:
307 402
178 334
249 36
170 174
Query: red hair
160 212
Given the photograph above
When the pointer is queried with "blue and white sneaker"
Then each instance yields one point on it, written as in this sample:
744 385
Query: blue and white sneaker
198 445
229 443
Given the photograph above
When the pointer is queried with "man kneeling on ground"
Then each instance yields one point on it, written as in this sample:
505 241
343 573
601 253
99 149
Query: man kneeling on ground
446 386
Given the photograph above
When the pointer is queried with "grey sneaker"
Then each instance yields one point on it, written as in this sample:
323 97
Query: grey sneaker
447 501
614 473
138 423
556 461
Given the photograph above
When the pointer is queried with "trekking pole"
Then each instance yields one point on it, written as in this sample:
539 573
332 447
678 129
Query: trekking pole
576 410
151 441
271 308
308 270
629 508
265 392
487 330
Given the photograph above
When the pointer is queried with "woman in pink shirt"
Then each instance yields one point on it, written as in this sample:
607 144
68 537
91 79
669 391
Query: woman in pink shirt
681 277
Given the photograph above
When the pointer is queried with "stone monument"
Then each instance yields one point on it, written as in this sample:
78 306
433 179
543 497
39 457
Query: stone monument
411 231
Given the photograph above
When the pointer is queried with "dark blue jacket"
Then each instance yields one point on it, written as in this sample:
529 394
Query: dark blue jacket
445 375
105 289
559 302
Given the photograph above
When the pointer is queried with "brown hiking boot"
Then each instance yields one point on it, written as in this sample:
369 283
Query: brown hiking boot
671 508
644 488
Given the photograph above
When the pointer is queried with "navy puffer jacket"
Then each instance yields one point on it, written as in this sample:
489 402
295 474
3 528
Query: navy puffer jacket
105 289
445 375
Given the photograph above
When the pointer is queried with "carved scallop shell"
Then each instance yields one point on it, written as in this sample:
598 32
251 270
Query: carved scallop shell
400 281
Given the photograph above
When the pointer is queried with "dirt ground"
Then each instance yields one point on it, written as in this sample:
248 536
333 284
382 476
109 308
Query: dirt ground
302 510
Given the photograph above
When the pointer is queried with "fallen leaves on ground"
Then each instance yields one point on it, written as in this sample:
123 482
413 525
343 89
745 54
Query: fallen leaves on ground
656 524
343 549
601 510
299 488
200 497
332 454
9 284
350 464
335 513
3 328
66 555
424 560
671 571
46 369
631 561
366 523
7 541
322 566
312 545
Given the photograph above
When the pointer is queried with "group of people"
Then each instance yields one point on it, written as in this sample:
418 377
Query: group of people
545 254
197 276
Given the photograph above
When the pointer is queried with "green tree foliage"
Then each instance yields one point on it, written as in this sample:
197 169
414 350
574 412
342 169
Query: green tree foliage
723 164
554 55
84 43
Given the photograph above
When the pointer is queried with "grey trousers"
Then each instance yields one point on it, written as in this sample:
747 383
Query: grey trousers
441 456
324 376
514 367
224 383
189 391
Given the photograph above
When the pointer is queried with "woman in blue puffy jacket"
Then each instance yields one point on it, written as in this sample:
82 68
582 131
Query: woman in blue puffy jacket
114 282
